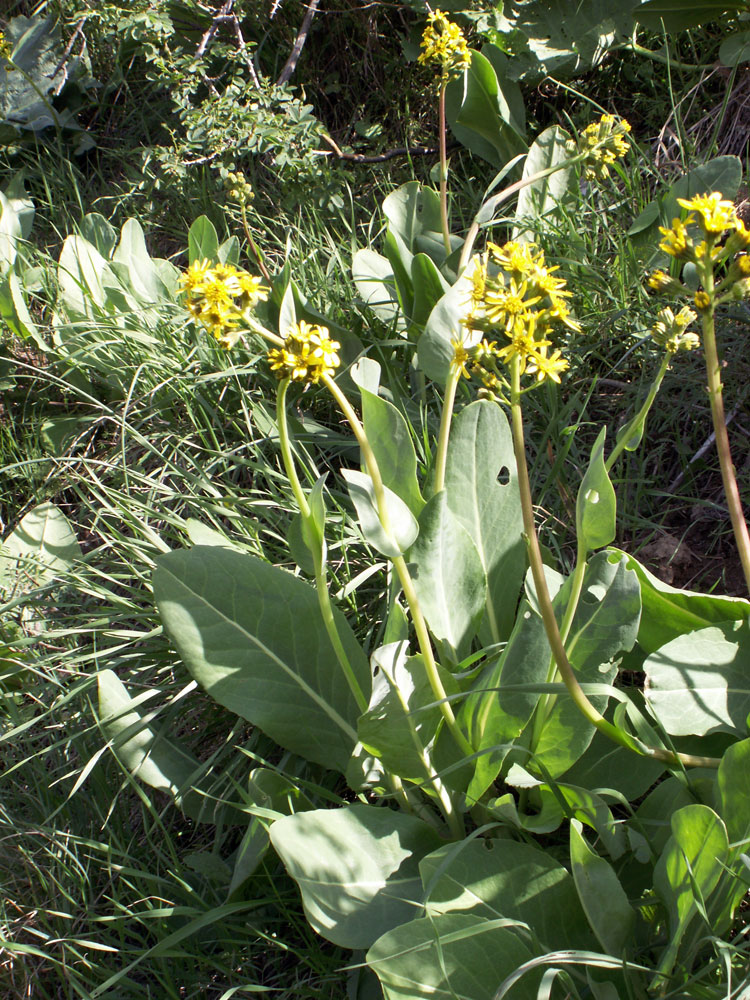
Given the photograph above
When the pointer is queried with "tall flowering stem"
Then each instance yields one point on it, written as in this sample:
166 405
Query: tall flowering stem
444 46
564 667
443 171
723 269
402 570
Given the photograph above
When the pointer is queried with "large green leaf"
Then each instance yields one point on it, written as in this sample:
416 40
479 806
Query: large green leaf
144 280
563 39
429 287
42 547
435 348
448 576
733 787
356 868
455 955
689 870
480 116
678 15
505 878
373 276
610 914
606 766
503 697
481 486
413 214
735 49
722 173
252 636
699 683
669 613
544 196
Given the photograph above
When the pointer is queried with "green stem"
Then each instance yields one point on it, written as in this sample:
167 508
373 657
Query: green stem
633 46
548 615
443 169
641 415
253 246
316 549
716 397
402 570
445 425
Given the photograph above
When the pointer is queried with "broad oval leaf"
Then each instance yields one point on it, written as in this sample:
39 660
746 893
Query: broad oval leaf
356 868
40 548
699 683
610 914
252 636
455 955
596 505
402 529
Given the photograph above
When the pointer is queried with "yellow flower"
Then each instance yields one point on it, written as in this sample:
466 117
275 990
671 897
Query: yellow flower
307 355
519 260
676 241
443 43
669 330
195 275
716 213
218 295
545 367
702 301
505 305
252 290
6 49
461 357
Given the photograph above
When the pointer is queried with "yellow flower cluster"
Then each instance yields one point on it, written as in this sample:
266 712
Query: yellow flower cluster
219 296
6 50
722 265
307 355
669 331
443 43
515 295
601 143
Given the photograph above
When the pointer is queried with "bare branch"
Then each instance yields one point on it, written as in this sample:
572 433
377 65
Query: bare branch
294 55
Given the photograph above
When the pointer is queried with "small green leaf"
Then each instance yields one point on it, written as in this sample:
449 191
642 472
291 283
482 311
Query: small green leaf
203 241
596 505
287 311
609 913
356 868
403 525
41 548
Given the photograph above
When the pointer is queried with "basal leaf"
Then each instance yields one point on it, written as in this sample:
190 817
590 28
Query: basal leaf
252 636
481 487
455 955
448 576
40 548
505 878
203 241
356 868
609 913
699 683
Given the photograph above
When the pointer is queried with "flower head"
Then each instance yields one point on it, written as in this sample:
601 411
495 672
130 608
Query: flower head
676 241
307 355
443 43
521 299
218 295
669 331
6 49
602 143
716 213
